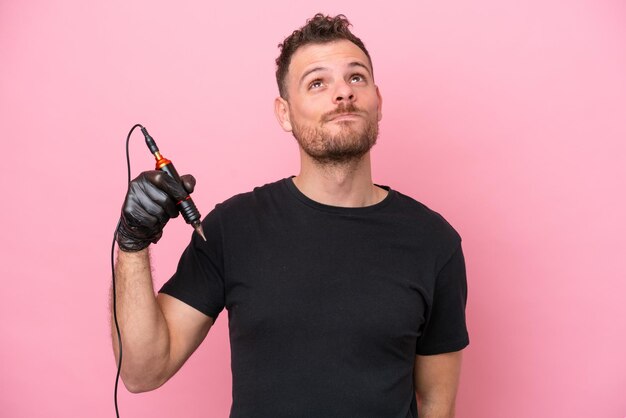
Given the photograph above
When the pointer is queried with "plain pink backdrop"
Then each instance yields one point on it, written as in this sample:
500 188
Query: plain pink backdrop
509 118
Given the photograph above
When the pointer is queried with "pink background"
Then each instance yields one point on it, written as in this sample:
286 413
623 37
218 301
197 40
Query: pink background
509 118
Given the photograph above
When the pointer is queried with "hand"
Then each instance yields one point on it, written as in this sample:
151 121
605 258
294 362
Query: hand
150 202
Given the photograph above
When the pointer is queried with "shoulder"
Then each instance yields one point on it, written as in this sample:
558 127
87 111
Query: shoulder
261 197
430 223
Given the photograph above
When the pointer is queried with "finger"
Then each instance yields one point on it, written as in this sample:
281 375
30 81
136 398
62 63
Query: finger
151 202
157 202
136 215
166 183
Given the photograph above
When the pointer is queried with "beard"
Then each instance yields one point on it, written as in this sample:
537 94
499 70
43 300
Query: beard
346 146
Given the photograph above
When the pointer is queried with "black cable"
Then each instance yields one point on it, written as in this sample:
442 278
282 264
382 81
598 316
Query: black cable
117 326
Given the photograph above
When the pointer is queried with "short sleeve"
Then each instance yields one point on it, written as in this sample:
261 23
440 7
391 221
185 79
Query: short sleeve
445 329
199 277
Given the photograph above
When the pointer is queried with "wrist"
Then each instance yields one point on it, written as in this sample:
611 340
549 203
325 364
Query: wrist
132 239
129 244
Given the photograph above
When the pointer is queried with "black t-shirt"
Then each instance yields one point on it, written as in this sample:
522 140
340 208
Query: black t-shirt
327 306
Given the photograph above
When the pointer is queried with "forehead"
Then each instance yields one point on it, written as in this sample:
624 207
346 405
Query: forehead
330 54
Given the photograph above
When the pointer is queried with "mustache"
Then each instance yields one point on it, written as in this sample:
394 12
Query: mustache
342 108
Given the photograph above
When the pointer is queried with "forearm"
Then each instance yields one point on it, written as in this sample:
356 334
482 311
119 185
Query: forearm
145 339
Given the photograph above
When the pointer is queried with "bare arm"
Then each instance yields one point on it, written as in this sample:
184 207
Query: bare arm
158 333
436 384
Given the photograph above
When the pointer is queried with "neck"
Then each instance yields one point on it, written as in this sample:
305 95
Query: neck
347 185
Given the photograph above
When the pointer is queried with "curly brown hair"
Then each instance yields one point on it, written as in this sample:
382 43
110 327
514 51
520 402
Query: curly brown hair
320 29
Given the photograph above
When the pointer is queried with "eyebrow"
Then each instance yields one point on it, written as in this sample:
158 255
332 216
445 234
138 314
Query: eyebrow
360 64
352 64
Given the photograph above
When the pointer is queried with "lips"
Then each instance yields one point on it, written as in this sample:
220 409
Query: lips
344 116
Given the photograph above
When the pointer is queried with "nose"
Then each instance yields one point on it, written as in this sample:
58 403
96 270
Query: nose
343 93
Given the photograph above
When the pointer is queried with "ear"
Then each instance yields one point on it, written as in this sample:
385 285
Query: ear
281 110
380 104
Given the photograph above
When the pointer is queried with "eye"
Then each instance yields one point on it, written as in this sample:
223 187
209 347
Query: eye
315 84
357 78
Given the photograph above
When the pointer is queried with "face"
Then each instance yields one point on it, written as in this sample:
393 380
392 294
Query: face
333 106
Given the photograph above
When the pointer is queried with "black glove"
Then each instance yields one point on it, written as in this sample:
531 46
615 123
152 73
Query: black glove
149 204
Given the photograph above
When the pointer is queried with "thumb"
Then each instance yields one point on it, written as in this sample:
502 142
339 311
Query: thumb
167 184
189 182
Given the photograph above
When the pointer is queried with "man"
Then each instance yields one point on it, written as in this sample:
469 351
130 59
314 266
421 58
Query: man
344 298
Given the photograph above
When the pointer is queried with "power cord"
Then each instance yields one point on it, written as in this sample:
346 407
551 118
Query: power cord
117 326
